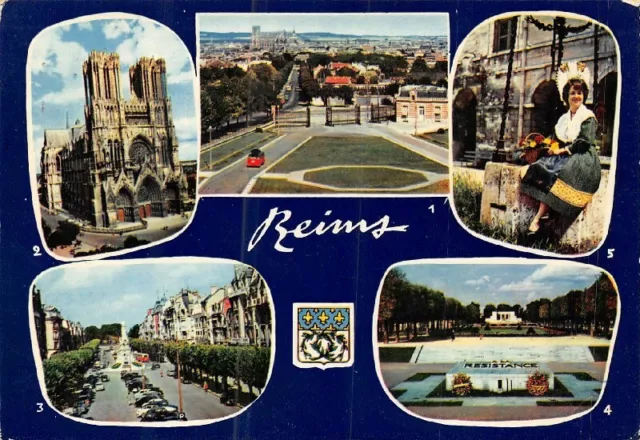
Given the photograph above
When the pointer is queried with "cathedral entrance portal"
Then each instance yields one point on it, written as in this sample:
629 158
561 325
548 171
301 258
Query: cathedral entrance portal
124 206
149 199
172 195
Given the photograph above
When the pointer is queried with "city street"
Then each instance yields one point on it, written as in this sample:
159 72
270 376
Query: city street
235 178
115 404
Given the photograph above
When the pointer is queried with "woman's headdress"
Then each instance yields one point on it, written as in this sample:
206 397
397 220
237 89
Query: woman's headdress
572 70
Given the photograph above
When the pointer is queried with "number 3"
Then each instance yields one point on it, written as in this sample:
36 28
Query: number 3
40 407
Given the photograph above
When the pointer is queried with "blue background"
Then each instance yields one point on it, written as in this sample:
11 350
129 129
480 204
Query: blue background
305 404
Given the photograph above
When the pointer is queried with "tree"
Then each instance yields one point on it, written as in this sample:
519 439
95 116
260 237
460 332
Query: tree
473 312
92 332
345 93
442 82
488 310
419 66
503 307
134 332
64 235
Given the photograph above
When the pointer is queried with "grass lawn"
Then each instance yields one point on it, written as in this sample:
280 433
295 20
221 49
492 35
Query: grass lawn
278 186
354 150
399 354
397 393
419 377
441 139
220 156
365 178
511 331
600 354
559 391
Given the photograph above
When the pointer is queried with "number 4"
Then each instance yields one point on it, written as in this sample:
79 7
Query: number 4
607 410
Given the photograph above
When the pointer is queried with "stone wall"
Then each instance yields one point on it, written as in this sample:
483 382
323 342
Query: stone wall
504 207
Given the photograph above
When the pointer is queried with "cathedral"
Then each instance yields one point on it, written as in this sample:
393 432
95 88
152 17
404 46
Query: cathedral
274 41
122 164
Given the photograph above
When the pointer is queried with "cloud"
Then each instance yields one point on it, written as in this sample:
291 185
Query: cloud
85 26
53 57
148 39
189 150
186 128
522 286
115 29
548 277
480 281
180 78
561 272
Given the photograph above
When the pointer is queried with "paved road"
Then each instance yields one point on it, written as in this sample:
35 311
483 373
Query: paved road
113 404
197 404
154 231
235 178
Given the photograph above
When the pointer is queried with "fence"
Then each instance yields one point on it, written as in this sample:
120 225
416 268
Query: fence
343 116
379 113
293 119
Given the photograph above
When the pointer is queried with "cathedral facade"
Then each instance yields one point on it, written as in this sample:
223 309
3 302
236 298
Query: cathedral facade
122 164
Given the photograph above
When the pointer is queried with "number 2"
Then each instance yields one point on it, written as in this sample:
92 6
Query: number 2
36 251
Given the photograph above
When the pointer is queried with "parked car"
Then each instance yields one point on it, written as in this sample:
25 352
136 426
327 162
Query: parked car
228 400
80 407
147 397
185 380
105 377
163 415
155 366
149 406
255 158
100 386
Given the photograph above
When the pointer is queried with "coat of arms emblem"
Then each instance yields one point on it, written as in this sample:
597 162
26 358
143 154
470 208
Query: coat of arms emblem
323 335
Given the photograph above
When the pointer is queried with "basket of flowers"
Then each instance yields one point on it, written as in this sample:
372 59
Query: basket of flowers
461 384
534 146
538 384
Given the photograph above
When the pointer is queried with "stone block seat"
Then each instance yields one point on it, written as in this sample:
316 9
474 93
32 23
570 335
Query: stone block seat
504 207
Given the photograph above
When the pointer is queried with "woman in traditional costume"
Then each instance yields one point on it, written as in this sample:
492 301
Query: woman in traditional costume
566 179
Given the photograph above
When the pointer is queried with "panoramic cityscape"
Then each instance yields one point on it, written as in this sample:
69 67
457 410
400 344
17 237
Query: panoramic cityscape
504 342
184 346
288 106
117 177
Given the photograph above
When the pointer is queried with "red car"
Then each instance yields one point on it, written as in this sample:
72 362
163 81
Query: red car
255 158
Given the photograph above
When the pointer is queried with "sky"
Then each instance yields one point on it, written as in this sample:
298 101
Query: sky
354 24
502 283
57 55
103 292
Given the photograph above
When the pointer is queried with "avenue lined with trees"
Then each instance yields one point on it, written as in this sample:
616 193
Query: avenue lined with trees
409 310
229 94
214 364
64 373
